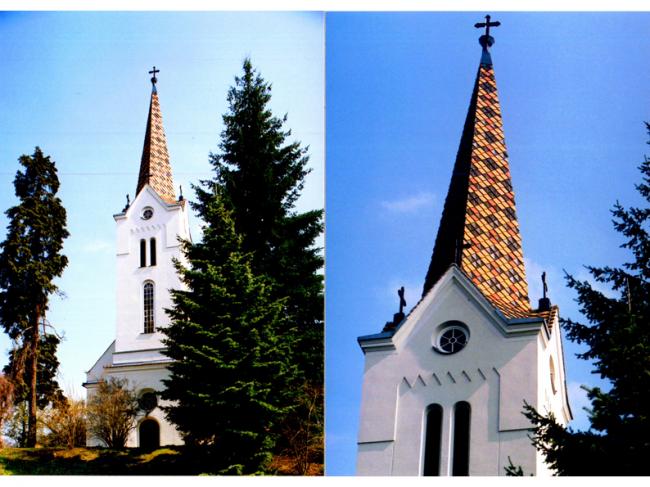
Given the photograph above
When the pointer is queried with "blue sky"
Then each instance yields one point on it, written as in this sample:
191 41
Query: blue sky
77 85
574 96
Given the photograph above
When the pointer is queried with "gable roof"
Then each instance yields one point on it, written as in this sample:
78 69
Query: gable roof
532 322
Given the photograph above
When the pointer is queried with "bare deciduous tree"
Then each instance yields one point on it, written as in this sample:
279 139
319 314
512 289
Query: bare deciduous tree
6 400
66 422
304 431
112 411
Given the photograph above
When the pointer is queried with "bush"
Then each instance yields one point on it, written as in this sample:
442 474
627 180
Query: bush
66 422
112 410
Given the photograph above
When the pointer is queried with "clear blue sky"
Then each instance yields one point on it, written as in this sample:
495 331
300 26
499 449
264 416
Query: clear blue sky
574 96
76 84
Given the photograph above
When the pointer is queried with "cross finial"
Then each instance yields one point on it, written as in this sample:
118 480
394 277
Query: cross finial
154 80
460 246
487 24
402 301
486 40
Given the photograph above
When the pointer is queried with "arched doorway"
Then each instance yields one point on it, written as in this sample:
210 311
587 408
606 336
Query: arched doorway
149 434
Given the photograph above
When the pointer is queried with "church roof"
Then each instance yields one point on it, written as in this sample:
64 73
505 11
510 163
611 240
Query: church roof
479 230
155 169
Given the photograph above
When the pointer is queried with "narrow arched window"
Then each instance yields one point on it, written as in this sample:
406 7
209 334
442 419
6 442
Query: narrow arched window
551 367
152 251
143 253
432 440
462 413
148 307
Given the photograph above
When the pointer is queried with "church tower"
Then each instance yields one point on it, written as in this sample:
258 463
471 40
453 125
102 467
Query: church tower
148 231
444 387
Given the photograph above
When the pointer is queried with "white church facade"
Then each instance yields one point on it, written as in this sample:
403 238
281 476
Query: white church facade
444 387
148 233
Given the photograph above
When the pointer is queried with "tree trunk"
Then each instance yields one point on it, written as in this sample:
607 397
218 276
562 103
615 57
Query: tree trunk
31 424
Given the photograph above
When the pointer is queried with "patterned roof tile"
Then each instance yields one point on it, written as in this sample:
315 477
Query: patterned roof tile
479 229
155 169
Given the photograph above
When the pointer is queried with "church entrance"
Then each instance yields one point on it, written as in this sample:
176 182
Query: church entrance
149 434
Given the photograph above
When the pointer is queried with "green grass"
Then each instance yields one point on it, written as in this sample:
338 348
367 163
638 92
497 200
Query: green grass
94 461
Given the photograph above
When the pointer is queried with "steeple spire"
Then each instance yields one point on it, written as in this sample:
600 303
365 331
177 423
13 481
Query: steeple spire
155 169
478 230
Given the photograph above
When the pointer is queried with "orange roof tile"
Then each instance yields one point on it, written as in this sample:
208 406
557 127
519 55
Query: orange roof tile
479 229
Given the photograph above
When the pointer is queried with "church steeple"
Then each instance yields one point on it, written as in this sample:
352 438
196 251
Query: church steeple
479 231
155 169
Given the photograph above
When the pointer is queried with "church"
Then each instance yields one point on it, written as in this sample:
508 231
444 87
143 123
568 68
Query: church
444 387
148 231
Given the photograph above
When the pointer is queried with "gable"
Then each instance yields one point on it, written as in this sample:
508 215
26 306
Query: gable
456 302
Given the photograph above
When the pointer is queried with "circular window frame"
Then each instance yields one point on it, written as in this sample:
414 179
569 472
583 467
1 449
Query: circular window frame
446 327
142 400
145 210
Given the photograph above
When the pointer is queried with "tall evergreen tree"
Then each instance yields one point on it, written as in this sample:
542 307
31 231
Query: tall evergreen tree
261 176
30 259
618 342
231 372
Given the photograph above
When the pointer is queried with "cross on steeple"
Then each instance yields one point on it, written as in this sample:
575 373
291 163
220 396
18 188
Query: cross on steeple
154 79
487 24
486 40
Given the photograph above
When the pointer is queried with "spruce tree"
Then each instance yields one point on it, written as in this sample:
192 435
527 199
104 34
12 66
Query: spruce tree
30 259
618 342
232 367
261 176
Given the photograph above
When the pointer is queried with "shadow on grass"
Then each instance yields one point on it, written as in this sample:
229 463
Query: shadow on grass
97 461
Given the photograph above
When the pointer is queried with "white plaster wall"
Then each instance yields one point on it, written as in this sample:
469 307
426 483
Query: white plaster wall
375 458
495 373
549 401
167 224
139 356
143 377
97 370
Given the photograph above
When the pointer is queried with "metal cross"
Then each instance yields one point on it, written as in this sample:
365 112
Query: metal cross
487 24
402 301
460 246
154 71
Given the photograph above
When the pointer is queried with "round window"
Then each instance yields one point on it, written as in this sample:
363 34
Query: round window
452 339
148 401
147 213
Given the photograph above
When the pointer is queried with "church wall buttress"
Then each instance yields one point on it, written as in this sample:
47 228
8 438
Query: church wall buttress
518 382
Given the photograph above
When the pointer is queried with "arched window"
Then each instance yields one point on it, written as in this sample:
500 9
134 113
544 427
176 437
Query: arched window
152 251
462 413
148 307
143 253
432 440
551 366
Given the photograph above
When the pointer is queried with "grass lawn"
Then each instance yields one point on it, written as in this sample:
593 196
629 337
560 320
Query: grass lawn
93 461
100 461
